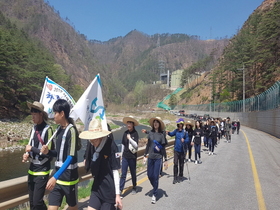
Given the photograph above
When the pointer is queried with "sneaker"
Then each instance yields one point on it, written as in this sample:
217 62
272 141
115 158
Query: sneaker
133 192
153 199
199 162
195 162
209 153
179 179
189 160
174 180
212 153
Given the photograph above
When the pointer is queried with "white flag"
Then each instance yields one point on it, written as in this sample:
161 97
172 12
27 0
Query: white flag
51 92
90 105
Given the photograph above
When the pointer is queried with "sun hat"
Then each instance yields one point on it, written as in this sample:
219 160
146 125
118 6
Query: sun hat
180 121
94 131
189 123
130 119
37 105
151 121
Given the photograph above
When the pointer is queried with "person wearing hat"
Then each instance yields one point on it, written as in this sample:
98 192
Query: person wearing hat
102 159
212 140
40 164
181 139
129 152
155 150
65 180
189 130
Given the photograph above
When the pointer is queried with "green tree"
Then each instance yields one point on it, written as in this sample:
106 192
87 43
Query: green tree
173 100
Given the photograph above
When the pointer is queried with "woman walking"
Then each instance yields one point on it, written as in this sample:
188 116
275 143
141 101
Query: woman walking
189 130
196 141
181 139
155 150
129 152
212 137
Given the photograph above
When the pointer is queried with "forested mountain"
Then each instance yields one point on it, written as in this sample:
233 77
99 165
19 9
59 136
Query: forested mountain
24 62
128 65
256 47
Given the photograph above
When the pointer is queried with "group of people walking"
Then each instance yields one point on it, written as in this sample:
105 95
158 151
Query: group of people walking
102 157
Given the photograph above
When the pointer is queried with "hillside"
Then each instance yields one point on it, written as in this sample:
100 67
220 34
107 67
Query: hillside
121 61
256 47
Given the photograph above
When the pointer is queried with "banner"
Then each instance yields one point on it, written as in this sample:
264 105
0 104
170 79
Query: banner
90 105
50 93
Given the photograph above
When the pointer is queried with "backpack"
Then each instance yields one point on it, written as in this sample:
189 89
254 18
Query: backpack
212 131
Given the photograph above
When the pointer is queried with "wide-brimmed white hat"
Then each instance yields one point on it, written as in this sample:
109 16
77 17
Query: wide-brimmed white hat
151 121
94 131
37 105
189 123
131 119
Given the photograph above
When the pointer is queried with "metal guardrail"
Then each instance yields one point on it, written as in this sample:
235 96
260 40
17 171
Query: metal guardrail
14 192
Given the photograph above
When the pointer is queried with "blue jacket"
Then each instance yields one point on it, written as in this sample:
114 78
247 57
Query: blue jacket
178 145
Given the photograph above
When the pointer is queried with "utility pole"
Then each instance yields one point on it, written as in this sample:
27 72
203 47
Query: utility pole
243 69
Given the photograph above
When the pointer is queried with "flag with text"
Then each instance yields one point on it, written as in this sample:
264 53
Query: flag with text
51 92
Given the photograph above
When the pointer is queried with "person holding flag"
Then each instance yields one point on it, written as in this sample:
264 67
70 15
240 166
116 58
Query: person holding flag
39 169
102 159
101 150
64 181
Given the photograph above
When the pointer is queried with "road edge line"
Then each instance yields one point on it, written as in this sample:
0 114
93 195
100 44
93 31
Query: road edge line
258 188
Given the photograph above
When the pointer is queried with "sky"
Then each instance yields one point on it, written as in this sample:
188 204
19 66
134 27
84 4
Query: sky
106 19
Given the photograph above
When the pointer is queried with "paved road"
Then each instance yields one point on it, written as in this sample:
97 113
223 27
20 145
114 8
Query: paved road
243 174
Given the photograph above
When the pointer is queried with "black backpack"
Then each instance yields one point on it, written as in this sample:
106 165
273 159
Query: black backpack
212 131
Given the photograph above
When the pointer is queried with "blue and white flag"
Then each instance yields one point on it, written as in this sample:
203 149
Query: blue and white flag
50 93
90 105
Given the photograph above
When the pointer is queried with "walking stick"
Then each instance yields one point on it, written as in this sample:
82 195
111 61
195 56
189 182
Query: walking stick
188 170
185 153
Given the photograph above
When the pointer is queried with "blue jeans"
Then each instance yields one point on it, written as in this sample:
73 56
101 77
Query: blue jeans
211 144
197 151
153 171
131 163
206 141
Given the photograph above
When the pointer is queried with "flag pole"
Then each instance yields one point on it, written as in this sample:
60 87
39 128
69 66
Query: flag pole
44 88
